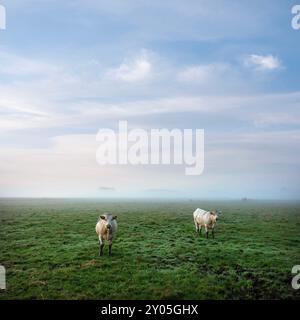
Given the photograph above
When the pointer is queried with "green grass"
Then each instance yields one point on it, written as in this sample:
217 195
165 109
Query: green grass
50 251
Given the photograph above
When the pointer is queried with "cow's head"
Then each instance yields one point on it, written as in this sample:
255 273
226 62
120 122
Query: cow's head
215 215
108 218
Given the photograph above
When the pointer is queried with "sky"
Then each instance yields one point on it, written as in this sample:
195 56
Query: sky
69 68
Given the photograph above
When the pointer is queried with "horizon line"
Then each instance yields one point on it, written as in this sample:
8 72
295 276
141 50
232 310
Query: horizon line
242 199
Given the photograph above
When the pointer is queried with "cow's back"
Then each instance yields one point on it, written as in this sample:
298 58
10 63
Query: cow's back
200 216
199 212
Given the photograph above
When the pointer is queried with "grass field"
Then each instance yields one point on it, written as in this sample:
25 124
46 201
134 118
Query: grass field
50 250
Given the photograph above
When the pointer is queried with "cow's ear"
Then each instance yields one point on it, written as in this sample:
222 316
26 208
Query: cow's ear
115 217
102 217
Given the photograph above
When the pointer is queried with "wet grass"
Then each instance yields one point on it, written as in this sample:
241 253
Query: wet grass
50 251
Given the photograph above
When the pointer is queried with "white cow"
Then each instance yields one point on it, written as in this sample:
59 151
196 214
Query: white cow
206 219
106 229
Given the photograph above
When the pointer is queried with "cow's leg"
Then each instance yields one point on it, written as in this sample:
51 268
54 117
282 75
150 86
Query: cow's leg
101 245
206 231
110 247
196 226
200 230
213 232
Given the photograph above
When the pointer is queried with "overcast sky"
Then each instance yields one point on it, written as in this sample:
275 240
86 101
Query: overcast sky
68 68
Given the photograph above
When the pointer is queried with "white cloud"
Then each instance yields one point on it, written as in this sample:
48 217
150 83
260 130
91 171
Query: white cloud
245 108
15 65
132 71
60 97
263 63
202 73
279 118
19 113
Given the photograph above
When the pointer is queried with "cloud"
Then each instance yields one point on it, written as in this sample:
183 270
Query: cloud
132 71
25 111
18 66
279 118
203 73
252 109
60 97
263 63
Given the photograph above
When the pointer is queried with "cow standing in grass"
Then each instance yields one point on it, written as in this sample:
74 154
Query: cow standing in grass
106 229
206 219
